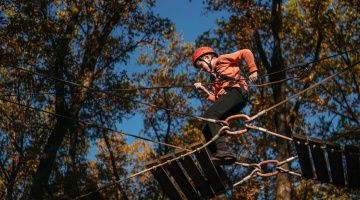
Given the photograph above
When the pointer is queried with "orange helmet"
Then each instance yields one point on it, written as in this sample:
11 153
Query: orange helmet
202 51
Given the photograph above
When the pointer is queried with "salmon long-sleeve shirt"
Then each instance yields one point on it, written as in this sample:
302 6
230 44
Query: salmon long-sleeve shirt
227 65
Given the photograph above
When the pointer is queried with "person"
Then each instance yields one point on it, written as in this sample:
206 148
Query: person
230 93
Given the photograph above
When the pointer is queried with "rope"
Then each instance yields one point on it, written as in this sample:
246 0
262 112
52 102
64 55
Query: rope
287 161
172 110
268 132
258 172
255 85
221 122
301 92
249 119
221 130
226 129
282 170
93 124
248 177
314 61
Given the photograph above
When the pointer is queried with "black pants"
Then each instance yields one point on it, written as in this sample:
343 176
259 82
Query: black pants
228 104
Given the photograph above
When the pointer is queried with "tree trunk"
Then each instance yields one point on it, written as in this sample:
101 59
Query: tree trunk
47 158
283 185
114 168
40 181
71 187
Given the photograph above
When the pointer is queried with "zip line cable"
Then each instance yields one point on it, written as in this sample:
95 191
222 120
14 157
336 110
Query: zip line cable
150 104
225 128
314 61
93 124
173 146
301 92
249 119
216 136
54 93
128 99
179 86
250 85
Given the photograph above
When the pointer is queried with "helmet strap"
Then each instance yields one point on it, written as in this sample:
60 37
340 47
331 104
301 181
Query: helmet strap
208 63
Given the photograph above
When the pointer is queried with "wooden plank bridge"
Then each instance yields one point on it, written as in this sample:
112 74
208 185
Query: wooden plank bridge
196 177
191 177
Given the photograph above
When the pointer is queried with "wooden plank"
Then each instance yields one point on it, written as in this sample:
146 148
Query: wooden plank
319 160
164 180
352 165
303 155
195 175
181 179
336 164
209 169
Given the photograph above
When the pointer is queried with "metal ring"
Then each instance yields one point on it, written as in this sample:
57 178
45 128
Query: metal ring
239 132
238 116
270 173
233 117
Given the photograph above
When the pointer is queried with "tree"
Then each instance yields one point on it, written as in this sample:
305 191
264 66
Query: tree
286 33
82 42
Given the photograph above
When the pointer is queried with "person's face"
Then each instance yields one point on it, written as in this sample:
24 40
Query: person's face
202 62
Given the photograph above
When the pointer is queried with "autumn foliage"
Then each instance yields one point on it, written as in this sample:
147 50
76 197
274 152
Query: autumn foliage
68 79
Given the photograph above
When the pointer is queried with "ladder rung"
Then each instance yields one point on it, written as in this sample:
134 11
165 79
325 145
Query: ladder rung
303 155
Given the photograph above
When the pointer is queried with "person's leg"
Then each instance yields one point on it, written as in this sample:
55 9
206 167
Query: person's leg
232 102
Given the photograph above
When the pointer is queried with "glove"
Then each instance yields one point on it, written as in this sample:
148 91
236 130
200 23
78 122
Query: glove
253 77
198 85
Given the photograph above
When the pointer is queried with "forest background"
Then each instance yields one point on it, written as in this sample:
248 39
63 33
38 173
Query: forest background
73 72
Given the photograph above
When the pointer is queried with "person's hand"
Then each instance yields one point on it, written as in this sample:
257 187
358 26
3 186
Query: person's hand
198 85
253 77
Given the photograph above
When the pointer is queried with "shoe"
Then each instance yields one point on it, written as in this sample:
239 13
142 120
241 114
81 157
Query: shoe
223 158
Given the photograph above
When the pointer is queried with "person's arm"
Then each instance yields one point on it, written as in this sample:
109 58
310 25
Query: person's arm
211 96
248 57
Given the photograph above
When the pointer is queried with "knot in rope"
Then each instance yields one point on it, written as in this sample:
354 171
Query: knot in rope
222 130
222 123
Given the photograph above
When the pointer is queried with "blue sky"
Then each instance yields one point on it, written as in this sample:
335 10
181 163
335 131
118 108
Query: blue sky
191 20
189 17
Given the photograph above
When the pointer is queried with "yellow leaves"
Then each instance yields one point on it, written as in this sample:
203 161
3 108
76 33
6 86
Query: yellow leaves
74 9
57 2
92 164
93 169
139 150
144 178
318 100
190 132
162 61
49 109
61 14
173 44
239 35
10 11
32 165
143 59
4 72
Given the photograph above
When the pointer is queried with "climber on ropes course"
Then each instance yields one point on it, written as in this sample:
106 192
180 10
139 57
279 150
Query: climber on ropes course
230 93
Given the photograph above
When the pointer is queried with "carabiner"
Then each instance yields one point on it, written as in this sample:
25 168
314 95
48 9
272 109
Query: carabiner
270 173
233 117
